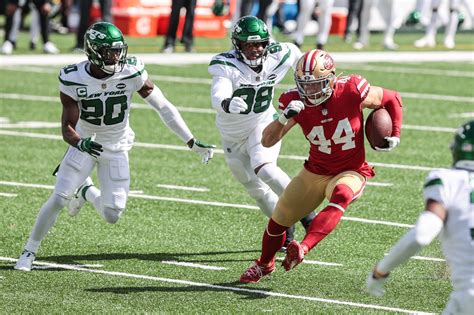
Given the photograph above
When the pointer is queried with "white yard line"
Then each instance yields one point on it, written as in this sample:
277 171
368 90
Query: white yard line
31 125
192 265
207 203
198 189
223 288
428 258
217 151
315 262
74 265
369 183
424 258
462 115
2 194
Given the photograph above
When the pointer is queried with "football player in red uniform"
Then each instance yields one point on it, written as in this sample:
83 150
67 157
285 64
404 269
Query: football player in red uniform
329 111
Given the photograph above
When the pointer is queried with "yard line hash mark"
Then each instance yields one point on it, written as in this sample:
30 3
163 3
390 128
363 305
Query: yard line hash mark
315 262
9 195
223 288
198 189
209 203
193 265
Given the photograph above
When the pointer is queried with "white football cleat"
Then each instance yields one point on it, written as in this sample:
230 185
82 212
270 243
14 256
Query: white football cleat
358 46
390 45
449 43
374 286
50 48
25 261
7 48
76 203
425 41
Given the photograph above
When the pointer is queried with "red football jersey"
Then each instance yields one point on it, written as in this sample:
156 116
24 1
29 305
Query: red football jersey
335 128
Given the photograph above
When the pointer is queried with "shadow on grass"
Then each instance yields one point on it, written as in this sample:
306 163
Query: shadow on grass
248 293
188 257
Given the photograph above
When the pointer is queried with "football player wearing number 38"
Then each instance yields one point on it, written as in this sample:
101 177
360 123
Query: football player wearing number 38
243 82
96 95
329 112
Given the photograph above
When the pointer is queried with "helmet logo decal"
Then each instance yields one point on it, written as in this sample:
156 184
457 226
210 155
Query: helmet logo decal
328 62
93 34
237 28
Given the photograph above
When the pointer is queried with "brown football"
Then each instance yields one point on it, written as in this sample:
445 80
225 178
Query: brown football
378 125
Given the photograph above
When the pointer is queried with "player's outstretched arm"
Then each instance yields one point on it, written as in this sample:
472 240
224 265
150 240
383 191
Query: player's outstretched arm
173 120
69 118
428 226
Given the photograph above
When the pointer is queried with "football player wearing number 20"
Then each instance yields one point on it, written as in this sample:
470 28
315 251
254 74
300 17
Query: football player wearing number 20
329 112
243 83
96 95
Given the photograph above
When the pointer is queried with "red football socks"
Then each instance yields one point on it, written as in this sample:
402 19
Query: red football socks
273 239
328 218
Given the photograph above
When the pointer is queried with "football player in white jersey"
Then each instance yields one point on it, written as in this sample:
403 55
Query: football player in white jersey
449 198
243 84
96 95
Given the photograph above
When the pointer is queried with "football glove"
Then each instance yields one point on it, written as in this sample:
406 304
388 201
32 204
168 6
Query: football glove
206 151
374 286
293 109
392 143
88 145
234 105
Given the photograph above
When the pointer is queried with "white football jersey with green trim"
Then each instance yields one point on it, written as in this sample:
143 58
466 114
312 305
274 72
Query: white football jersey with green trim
104 104
257 89
454 188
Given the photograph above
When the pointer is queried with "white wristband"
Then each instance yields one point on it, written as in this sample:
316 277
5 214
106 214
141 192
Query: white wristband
282 119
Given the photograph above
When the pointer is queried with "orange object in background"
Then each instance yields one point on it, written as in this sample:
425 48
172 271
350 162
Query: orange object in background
148 18
137 23
338 25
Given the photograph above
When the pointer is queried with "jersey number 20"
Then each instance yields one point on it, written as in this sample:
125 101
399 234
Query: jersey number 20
93 110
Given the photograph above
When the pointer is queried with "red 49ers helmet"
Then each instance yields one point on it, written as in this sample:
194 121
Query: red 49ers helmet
314 75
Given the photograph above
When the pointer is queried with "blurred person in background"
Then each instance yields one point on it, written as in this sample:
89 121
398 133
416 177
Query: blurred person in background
44 8
84 19
429 39
305 12
187 36
392 19
353 14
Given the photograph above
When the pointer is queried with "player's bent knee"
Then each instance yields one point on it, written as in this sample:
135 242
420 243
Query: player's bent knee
257 192
283 214
59 199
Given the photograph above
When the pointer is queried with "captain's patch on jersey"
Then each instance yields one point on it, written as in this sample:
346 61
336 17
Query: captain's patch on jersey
81 92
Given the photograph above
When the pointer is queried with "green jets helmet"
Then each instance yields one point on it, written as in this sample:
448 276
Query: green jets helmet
250 29
105 47
462 147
